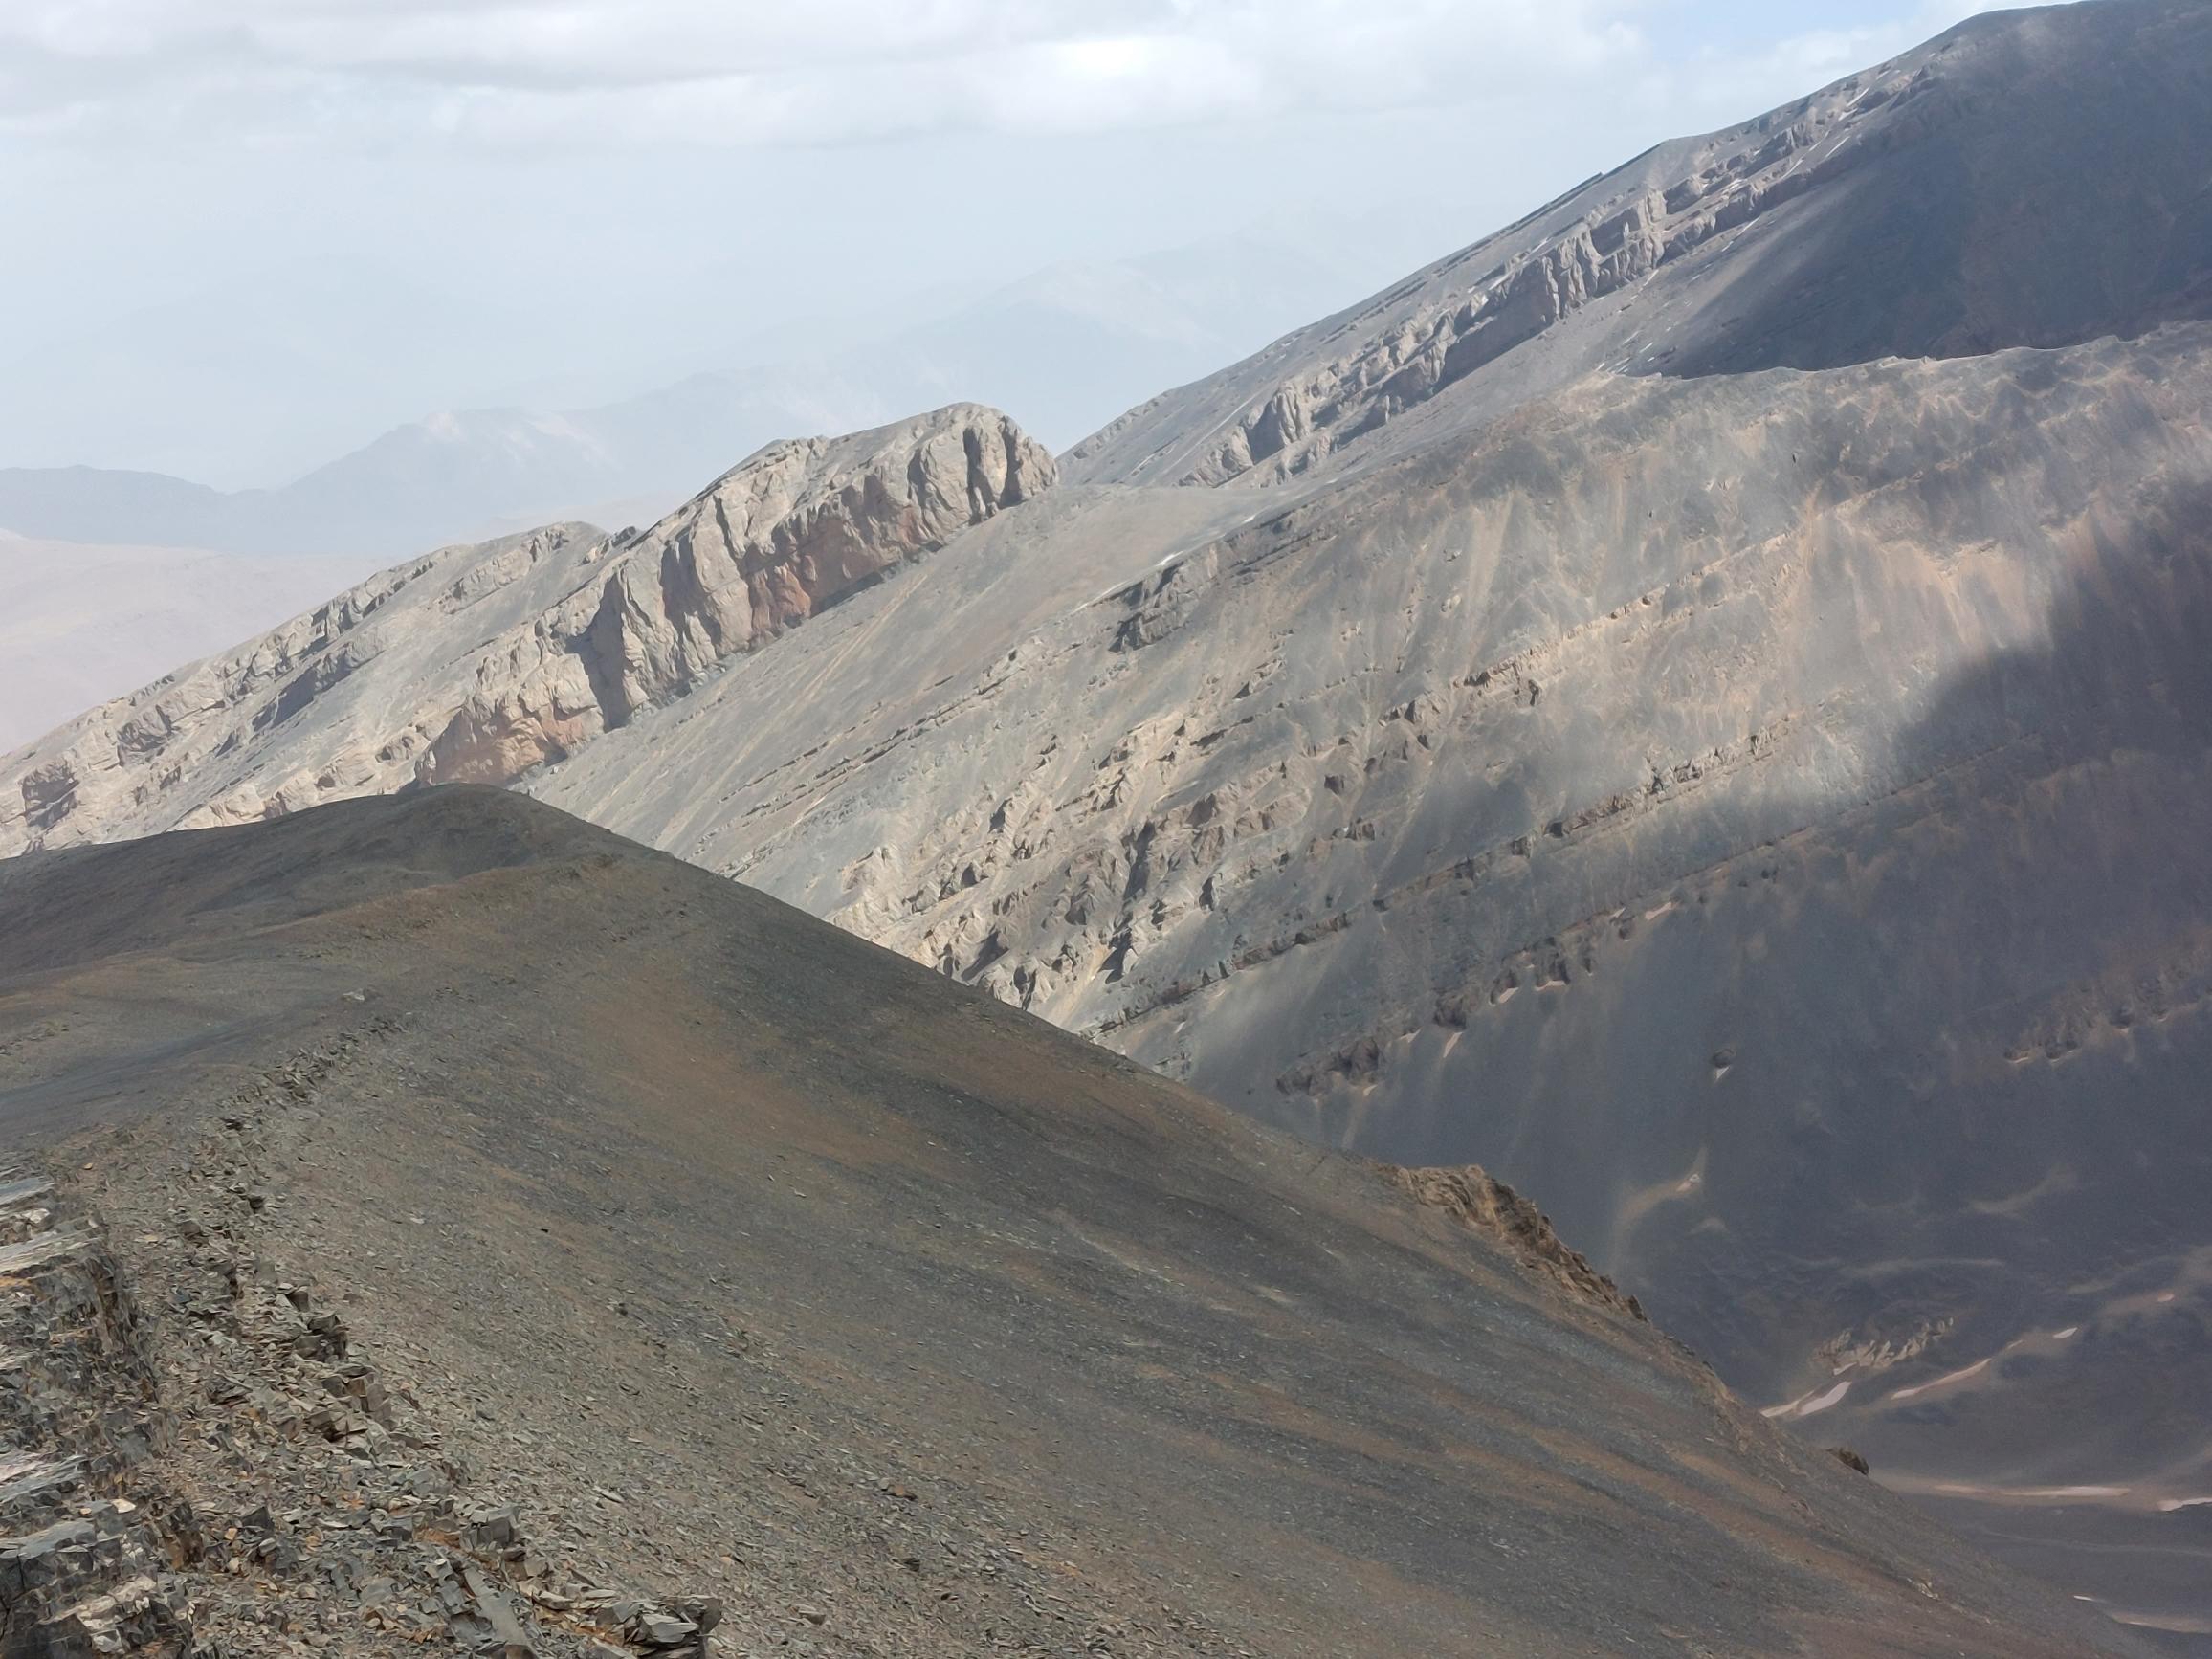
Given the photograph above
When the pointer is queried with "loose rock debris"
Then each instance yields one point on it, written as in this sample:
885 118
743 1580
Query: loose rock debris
328 1515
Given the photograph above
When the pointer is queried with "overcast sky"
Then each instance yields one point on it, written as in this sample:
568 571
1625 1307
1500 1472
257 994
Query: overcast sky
563 193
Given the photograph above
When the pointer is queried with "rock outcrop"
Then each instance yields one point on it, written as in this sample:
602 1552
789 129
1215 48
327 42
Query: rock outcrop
92 1538
1481 1202
233 1474
478 663
795 528
85 623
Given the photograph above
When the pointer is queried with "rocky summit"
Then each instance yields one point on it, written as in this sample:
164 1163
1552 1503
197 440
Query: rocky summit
392 1270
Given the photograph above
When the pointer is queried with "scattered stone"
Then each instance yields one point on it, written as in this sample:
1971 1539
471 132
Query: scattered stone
490 1529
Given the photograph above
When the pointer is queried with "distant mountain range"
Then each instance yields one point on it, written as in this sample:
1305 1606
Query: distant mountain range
1064 349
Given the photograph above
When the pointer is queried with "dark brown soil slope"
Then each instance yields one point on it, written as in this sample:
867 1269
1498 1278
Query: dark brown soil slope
747 1260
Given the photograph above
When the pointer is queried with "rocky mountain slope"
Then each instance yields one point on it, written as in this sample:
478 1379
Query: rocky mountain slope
2033 179
1760 816
1716 731
402 1274
476 663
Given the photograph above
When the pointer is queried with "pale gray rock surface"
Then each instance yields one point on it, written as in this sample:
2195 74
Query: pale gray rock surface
291 718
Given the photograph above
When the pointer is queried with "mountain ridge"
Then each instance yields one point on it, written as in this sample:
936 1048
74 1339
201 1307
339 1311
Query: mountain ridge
1922 281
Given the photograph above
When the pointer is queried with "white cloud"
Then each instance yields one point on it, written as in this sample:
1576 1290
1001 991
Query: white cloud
781 72
598 185
1797 63
765 72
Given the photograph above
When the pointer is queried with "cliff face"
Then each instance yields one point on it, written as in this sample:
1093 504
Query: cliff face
795 528
478 663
